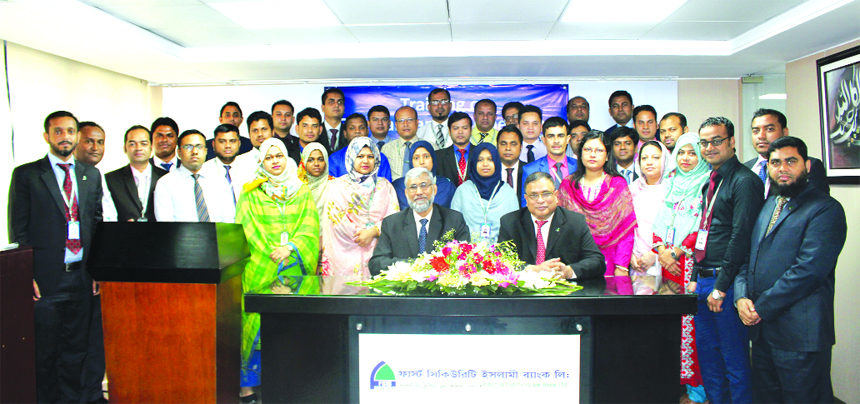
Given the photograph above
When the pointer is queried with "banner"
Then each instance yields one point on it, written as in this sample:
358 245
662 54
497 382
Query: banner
551 98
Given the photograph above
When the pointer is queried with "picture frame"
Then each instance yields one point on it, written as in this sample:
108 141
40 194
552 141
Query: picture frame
839 101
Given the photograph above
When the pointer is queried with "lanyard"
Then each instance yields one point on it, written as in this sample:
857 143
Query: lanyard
489 202
709 205
73 196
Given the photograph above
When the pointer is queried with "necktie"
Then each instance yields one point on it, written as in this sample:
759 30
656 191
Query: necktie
706 218
71 214
462 166
557 178
628 175
530 156
510 177
333 138
406 160
379 145
202 212
440 138
483 136
780 203
422 236
230 182
762 172
166 166
541 247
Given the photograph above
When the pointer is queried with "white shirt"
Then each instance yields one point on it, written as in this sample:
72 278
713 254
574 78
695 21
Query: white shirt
237 176
60 174
544 232
418 218
428 132
244 169
174 197
326 131
143 180
174 161
515 172
539 150
757 167
633 167
108 209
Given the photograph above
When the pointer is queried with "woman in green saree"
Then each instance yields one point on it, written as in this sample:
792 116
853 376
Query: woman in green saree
281 223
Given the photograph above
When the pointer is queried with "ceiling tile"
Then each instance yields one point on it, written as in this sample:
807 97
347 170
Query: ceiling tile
732 10
501 31
203 37
575 31
295 36
389 11
478 11
154 17
698 31
402 33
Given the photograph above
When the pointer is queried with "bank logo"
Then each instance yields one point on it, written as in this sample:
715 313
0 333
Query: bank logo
382 377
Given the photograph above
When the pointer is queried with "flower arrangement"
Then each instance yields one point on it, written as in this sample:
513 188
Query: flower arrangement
457 268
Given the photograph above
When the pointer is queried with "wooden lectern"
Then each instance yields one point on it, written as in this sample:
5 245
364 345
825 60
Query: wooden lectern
171 310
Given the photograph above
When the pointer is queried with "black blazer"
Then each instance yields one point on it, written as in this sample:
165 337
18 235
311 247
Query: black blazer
569 239
790 275
245 146
121 185
398 240
37 217
817 175
447 167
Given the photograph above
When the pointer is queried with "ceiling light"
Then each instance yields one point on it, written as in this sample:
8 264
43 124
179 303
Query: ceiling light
262 14
619 11
773 96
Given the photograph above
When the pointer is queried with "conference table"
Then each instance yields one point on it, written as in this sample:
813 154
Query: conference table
592 345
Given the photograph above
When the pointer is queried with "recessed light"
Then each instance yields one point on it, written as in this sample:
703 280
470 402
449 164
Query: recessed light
619 11
263 14
773 96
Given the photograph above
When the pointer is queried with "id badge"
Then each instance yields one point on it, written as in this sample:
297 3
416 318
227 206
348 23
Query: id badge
285 238
701 239
670 236
74 230
485 231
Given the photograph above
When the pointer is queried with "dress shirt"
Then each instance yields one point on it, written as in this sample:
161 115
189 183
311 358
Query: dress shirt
539 150
391 136
490 138
515 172
564 169
174 197
238 177
755 169
108 209
60 174
428 132
159 161
570 152
143 180
327 132
736 206
394 151
544 232
243 171
418 218
633 168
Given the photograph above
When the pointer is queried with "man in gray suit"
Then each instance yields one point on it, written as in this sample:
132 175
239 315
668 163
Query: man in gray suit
410 232
785 292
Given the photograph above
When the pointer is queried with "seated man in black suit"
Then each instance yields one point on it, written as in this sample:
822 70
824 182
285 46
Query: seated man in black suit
133 186
565 245
410 232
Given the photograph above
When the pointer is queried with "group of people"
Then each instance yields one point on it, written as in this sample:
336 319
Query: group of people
653 208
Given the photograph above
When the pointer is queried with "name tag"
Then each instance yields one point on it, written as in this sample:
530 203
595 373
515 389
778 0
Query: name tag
285 238
485 231
701 239
74 230
670 236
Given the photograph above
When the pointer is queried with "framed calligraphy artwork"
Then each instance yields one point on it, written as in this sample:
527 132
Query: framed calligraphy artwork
839 98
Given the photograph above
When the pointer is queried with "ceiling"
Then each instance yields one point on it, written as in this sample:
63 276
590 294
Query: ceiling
188 42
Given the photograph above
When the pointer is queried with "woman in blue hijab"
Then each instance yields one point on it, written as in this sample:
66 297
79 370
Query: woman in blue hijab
484 198
422 154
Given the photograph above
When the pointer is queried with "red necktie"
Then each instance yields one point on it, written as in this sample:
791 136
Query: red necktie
541 247
510 176
71 215
462 164
706 218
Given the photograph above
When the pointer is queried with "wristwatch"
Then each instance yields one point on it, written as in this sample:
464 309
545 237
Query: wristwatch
717 296
672 253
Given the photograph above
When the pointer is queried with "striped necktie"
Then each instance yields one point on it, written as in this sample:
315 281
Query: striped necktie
202 212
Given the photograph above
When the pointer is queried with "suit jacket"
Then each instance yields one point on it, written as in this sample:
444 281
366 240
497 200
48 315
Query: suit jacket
245 146
155 164
37 217
398 239
790 275
817 175
541 164
447 166
121 185
569 239
519 178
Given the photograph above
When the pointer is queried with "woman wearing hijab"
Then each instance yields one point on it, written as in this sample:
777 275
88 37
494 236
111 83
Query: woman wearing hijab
675 228
647 192
356 204
597 191
314 172
422 154
281 225
484 198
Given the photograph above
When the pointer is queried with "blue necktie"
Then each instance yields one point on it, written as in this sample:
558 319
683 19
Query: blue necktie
167 166
230 183
202 212
762 172
406 159
530 156
422 236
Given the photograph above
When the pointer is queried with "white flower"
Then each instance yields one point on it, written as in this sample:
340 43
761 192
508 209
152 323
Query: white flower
536 280
399 271
421 276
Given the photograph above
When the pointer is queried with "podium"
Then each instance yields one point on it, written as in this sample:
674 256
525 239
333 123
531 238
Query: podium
17 331
171 309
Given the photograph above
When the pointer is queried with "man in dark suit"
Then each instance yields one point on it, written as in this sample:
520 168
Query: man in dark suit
230 114
621 110
332 126
785 292
412 231
454 160
565 245
556 163
767 126
133 186
54 205
510 145
624 141
163 134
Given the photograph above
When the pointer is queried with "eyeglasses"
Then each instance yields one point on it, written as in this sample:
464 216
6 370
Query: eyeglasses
716 142
588 150
439 102
512 117
545 196
190 147
423 186
377 119
404 120
777 163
